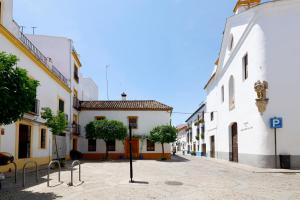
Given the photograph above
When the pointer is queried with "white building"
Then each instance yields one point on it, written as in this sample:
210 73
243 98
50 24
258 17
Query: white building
53 65
195 135
146 115
61 53
255 79
181 141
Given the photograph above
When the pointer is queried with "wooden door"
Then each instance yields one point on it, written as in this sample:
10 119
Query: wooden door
234 142
135 148
75 144
203 147
24 141
212 147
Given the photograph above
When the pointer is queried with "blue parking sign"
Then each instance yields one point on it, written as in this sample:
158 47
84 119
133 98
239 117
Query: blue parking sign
276 122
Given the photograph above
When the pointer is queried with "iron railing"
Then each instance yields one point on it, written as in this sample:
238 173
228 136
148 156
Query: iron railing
38 54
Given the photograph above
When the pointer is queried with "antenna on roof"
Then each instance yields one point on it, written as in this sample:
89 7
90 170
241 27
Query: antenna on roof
33 29
106 67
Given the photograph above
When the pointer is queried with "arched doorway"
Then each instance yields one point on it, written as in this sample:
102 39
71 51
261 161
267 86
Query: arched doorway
234 143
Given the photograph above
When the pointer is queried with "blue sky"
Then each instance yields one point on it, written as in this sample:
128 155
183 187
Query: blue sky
156 49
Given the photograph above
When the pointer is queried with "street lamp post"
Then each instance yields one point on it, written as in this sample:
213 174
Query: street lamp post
130 153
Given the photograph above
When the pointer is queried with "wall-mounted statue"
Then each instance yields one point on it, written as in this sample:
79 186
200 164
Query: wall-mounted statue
261 91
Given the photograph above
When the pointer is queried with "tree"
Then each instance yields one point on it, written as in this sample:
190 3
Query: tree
17 90
163 134
57 124
107 130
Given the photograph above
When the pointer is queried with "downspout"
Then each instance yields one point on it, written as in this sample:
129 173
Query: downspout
70 65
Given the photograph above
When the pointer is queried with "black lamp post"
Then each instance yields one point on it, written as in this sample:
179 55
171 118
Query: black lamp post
130 149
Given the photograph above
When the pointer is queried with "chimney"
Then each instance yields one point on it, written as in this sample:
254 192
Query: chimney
243 5
124 95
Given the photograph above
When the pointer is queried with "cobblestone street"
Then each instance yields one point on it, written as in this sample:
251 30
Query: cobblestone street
181 178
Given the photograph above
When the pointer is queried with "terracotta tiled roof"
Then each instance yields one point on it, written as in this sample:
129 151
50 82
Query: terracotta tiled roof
181 126
124 105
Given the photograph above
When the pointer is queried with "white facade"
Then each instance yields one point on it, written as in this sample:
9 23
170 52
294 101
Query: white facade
195 132
11 42
146 121
268 35
181 141
55 82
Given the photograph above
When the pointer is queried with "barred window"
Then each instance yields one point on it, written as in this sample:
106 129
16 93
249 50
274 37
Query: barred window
92 145
43 138
150 145
111 145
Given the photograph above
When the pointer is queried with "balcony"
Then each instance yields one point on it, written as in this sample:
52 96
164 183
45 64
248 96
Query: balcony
76 103
35 109
41 57
75 129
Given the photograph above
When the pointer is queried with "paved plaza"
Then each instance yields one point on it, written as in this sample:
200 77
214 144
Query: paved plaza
181 178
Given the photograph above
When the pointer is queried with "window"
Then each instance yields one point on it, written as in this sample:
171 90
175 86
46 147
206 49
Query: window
150 145
43 138
98 118
76 76
24 141
222 94
231 43
111 145
61 105
231 94
245 67
133 122
212 116
91 145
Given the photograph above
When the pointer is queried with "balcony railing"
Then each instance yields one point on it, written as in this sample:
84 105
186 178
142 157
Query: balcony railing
76 103
60 75
35 109
38 54
76 129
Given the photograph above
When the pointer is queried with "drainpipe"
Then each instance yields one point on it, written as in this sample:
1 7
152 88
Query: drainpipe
70 65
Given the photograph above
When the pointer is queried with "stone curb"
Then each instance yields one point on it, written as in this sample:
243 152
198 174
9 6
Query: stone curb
246 167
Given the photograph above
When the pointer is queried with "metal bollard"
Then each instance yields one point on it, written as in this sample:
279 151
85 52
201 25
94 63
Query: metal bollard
59 170
73 164
15 166
36 171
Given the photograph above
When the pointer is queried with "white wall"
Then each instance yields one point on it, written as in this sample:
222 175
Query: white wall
48 92
147 120
89 90
271 41
56 48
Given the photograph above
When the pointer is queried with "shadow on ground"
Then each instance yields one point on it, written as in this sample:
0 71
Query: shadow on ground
175 158
28 195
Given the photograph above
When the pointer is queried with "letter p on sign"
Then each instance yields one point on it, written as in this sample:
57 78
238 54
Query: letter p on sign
276 122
